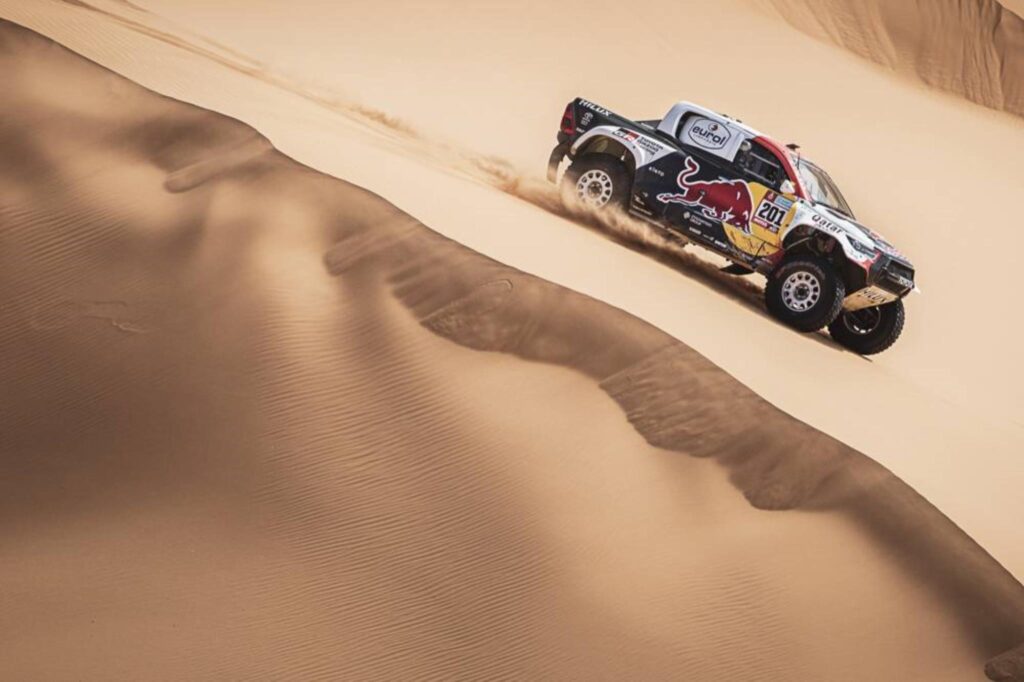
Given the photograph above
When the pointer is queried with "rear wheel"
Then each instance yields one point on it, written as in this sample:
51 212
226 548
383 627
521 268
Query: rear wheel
805 293
597 181
869 330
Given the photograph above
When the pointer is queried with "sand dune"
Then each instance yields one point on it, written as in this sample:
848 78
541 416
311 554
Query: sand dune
974 49
239 441
950 386
259 450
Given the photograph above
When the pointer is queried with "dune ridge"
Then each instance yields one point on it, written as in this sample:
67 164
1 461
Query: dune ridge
922 364
972 48
681 402
292 447
449 157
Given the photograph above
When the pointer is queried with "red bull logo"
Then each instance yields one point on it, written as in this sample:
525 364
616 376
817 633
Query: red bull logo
728 201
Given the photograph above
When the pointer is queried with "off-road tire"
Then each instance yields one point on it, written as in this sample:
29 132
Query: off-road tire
605 169
804 280
871 330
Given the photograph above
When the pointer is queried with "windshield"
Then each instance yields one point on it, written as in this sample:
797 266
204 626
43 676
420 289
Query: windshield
821 188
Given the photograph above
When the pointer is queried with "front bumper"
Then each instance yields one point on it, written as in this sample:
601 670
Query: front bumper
894 276
889 279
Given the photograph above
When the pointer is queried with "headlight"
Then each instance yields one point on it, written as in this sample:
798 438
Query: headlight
863 248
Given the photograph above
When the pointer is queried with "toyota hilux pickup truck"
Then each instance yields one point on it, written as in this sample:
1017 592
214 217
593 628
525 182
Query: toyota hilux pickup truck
705 178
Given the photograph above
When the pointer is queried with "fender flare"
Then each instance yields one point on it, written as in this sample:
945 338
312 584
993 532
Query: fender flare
855 266
797 229
804 221
636 155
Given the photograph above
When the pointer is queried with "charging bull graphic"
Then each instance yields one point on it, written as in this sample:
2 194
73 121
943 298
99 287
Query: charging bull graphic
728 201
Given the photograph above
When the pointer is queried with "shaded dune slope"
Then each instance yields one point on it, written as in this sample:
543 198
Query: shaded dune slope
972 48
219 397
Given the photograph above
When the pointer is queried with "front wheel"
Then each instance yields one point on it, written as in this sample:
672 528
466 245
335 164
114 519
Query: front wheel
804 292
596 181
869 330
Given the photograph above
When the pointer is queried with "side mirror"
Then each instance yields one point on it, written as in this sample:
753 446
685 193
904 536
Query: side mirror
788 187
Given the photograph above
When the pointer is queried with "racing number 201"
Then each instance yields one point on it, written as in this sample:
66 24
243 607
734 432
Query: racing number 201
770 213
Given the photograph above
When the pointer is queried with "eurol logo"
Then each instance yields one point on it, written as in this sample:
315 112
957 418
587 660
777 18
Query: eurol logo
707 133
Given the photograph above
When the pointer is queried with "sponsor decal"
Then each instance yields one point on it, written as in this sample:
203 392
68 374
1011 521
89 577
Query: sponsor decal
772 211
900 280
586 119
649 145
594 107
875 295
697 220
783 201
727 201
863 254
626 134
638 140
706 133
826 224
878 240
867 297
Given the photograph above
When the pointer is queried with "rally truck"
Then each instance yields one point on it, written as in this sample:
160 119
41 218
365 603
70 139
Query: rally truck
705 178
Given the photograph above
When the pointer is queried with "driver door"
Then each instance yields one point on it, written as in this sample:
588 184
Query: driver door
773 209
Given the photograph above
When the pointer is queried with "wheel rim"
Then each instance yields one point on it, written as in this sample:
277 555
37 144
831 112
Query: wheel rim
801 291
594 188
863 321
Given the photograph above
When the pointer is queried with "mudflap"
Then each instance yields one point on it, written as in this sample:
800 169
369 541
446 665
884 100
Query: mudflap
736 269
557 154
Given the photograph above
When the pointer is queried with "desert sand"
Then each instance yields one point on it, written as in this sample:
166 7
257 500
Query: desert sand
973 49
241 441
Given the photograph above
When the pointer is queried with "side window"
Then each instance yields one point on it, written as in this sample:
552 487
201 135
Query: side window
760 165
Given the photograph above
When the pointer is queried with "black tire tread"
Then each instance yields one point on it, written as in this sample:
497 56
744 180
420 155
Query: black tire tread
612 164
870 344
773 296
